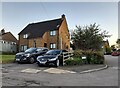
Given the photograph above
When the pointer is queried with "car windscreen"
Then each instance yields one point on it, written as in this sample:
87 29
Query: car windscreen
30 50
53 52
39 49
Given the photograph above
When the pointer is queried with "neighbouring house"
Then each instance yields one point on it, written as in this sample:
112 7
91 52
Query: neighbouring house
8 43
106 47
53 34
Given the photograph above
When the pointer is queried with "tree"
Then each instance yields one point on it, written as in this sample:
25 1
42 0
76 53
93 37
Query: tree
118 43
89 37
72 46
113 48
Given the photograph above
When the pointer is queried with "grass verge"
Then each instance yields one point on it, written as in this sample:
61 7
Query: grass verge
7 59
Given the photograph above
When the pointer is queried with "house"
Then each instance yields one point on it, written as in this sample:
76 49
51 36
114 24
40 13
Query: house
53 34
106 47
8 42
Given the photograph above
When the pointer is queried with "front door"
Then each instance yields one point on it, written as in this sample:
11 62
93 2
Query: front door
45 44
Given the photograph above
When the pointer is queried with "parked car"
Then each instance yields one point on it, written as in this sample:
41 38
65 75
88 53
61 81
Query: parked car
115 53
30 55
52 57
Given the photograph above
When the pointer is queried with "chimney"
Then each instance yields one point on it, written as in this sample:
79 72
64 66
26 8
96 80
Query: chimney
63 16
2 31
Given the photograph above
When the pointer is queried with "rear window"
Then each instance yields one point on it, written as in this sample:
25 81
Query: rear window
30 50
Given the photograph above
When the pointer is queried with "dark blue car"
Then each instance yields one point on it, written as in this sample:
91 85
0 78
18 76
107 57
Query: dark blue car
52 57
30 55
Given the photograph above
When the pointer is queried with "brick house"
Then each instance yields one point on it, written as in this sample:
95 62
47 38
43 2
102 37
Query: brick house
106 46
53 34
8 42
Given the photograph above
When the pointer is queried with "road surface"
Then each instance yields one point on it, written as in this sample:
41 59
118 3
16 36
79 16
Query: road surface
13 76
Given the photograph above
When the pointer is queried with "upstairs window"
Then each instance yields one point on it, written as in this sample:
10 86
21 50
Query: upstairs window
25 36
52 33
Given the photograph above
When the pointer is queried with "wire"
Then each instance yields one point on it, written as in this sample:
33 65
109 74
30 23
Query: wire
46 12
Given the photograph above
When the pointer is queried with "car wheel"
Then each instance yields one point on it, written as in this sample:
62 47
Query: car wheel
32 60
57 63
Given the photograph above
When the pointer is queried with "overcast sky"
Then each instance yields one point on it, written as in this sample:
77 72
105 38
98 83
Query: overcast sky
17 15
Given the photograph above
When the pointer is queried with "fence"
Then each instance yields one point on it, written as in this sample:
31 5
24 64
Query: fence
66 56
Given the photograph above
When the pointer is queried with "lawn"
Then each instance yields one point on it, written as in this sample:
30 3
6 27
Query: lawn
7 58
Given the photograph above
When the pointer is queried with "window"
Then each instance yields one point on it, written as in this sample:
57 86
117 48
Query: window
25 36
45 50
52 46
23 47
53 32
13 43
3 41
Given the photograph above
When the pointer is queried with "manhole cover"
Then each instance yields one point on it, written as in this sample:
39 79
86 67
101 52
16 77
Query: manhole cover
29 70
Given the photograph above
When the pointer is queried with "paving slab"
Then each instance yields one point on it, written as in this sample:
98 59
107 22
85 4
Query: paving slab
30 70
57 71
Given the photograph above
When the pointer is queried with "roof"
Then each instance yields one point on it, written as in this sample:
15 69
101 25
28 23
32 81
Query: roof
38 29
8 36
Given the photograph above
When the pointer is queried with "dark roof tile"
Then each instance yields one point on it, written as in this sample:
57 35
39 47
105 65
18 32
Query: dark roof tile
38 29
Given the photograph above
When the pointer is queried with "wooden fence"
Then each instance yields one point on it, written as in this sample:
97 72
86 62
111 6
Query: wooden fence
66 56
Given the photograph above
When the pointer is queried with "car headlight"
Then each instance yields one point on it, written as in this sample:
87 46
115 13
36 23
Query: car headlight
53 59
27 55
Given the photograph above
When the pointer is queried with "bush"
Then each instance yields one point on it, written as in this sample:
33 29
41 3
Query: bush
92 57
77 53
74 61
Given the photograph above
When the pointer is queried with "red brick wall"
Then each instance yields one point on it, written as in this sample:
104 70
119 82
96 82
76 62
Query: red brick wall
47 38
63 33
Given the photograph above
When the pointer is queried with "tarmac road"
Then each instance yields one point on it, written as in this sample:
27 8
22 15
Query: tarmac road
12 76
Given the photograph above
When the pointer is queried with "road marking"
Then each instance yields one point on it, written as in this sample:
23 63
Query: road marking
30 70
57 71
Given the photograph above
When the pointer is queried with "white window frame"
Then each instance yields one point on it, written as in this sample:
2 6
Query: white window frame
52 45
23 47
52 33
25 36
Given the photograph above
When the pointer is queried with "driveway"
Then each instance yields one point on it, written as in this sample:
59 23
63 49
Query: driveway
32 75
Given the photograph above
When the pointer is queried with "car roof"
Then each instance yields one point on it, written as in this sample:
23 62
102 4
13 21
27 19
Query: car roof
42 48
59 50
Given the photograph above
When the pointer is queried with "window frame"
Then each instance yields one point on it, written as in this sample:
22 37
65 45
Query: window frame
23 47
52 46
52 32
25 36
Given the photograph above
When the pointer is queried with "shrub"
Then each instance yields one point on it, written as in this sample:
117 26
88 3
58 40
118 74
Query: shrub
74 61
77 53
92 57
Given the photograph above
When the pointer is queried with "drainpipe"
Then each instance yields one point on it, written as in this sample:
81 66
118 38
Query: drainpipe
34 43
